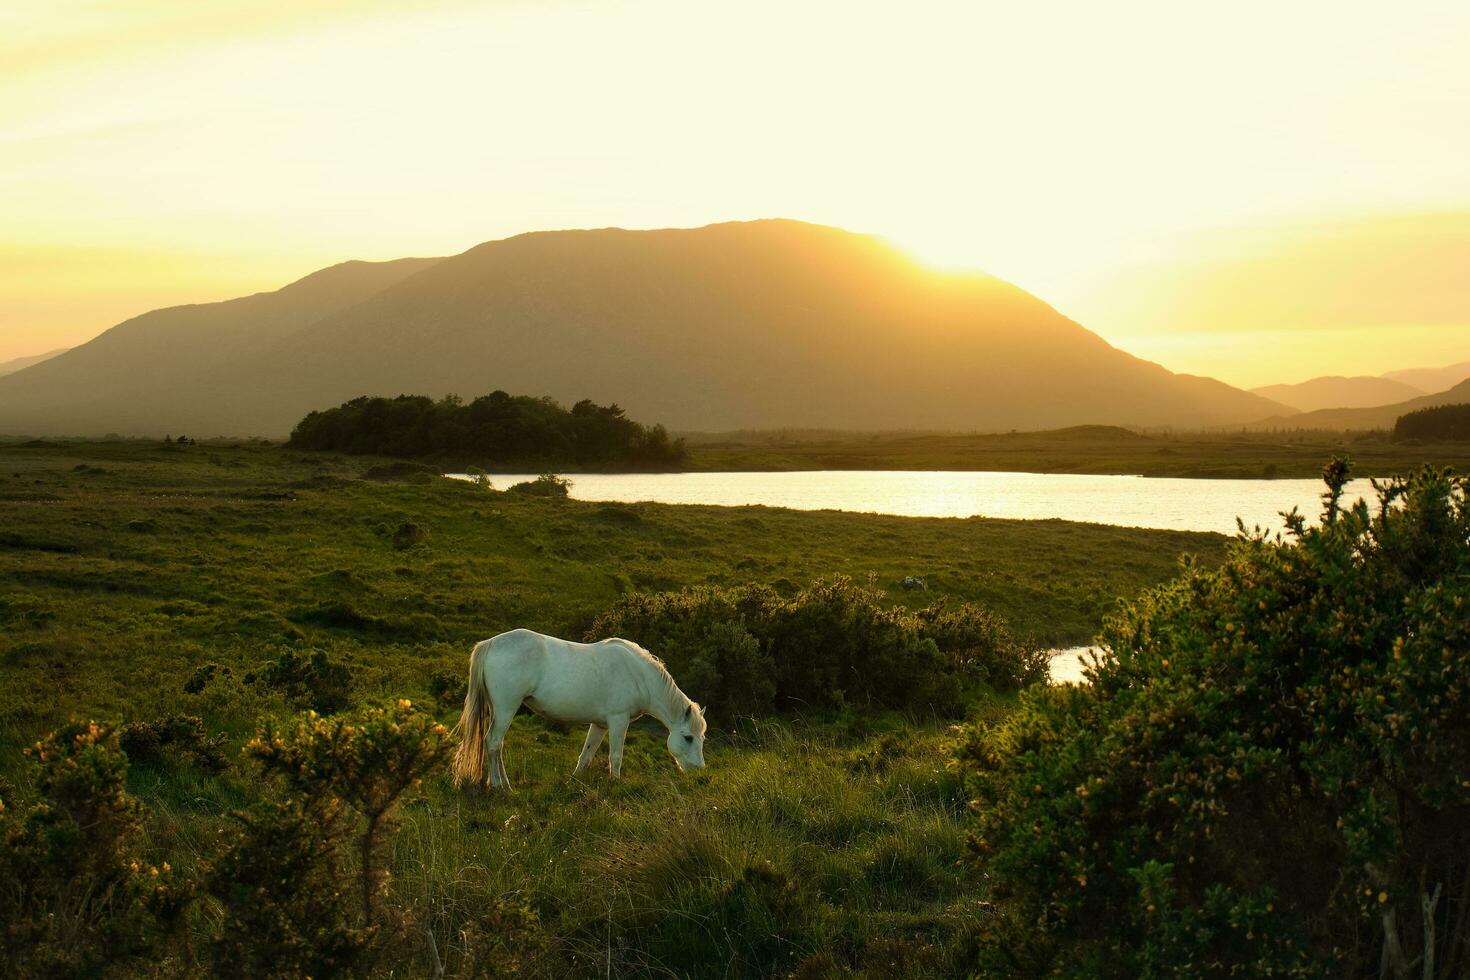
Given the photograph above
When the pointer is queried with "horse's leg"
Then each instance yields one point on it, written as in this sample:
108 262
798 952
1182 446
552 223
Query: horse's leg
589 748
617 729
495 740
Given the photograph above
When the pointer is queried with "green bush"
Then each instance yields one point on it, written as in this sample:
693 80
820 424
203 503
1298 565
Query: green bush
162 740
73 903
310 679
748 651
278 887
409 534
545 485
1269 773
368 759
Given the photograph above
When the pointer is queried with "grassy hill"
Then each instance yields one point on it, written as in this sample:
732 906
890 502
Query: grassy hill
754 324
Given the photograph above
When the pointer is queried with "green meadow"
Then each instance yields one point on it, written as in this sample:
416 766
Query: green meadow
820 845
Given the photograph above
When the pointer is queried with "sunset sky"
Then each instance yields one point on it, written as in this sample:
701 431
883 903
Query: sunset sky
1261 191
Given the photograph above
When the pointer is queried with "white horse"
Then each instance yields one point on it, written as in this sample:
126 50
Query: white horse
605 685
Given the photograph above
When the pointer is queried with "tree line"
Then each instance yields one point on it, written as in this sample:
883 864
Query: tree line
497 428
1442 423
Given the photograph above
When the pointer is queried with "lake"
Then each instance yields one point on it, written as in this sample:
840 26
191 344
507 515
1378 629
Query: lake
1130 501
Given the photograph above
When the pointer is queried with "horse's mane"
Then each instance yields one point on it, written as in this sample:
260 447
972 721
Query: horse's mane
671 689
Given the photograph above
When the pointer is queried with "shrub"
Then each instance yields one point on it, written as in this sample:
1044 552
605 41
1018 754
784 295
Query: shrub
409 534
309 679
202 676
278 884
72 901
1267 775
368 759
545 485
448 690
746 650
155 742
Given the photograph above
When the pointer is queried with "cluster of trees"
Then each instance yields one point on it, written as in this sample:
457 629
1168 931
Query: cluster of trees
748 651
498 428
1268 777
1442 423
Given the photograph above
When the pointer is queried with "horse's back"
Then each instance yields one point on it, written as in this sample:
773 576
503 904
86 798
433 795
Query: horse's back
562 678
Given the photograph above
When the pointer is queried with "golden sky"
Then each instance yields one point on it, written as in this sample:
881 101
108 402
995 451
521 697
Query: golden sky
1153 168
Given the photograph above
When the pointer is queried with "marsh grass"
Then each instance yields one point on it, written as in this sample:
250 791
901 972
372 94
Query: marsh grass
772 856
820 845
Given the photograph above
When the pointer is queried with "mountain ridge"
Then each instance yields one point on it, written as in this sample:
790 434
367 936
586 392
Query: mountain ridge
1375 417
772 323
1336 391
21 363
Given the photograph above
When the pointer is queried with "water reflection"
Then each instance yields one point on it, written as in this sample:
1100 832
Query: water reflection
1131 501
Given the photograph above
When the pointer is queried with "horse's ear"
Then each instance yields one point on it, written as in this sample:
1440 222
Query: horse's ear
688 711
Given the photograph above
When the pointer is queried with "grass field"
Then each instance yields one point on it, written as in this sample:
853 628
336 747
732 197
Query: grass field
1084 449
832 842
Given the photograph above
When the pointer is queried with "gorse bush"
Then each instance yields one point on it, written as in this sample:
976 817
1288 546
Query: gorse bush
72 900
498 428
294 891
746 650
165 740
309 678
368 759
1268 775
279 888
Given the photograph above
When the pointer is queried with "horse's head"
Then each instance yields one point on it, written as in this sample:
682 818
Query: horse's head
686 738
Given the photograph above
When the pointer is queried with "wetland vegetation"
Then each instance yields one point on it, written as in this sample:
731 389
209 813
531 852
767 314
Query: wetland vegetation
229 672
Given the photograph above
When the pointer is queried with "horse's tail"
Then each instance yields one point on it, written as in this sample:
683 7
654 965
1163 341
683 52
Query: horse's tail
469 759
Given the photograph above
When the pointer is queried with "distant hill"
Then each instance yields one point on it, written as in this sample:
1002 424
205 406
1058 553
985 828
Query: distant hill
1340 392
19 363
1378 417
150 375
1432 379
760 324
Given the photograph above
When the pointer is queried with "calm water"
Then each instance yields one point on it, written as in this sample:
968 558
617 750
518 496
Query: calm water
1066 665
1131 501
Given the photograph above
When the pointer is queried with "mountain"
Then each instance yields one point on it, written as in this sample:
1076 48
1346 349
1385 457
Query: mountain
1432 379
1340 392
1378 417
143 376
19 363
743 325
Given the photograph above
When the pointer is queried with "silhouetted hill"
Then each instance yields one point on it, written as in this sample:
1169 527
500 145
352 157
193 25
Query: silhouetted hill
1378 417
754 324
146 376
1432 379
21 363
1339 392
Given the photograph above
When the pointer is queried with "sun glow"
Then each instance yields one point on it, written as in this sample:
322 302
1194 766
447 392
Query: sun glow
1058 145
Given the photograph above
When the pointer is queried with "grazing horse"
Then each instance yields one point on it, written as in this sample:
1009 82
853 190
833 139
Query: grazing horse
605 685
